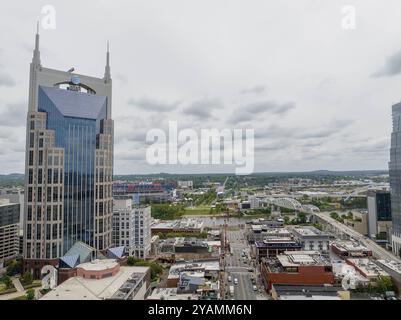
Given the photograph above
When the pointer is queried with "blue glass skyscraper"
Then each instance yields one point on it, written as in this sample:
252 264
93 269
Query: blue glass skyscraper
69 163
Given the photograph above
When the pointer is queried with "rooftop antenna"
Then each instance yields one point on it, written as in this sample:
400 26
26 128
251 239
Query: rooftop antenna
36 52
107 74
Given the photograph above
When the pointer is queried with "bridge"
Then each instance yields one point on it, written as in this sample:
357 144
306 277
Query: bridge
290 203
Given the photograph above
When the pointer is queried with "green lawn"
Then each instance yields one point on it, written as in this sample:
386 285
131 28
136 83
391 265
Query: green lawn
198 210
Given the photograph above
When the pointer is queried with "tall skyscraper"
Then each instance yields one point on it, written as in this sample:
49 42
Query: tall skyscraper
69 163
395 179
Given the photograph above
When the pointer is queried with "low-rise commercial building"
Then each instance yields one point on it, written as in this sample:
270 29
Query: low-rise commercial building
274 246
259 232
190 225
367 268
348 248
208 269
309 292
103 280
312 238
297 268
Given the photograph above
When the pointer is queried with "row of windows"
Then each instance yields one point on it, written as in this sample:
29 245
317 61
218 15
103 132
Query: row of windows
54 194
53 176
52 160
52 231
53 212
53 250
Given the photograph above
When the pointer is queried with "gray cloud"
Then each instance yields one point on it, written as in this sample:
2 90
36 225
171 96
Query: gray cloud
253 110
154 105
332 128
392 66
203 109
14 114
6 80
254 90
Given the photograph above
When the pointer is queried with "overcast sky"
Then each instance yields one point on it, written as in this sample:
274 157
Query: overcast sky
317 95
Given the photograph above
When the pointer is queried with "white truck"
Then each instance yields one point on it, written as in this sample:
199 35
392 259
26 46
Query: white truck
232 291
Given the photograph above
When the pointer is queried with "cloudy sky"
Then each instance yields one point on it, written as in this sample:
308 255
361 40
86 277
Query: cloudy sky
317 95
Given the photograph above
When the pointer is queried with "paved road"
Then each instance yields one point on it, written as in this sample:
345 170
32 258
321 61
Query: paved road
377 250
237 269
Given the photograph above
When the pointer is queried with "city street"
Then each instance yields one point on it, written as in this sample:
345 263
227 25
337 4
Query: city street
238 269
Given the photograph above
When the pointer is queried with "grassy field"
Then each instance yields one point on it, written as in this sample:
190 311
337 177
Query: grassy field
197 210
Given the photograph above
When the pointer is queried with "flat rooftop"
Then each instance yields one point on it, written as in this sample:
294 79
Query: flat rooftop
349 246
171 294
300 258
78 288
368 267
309 231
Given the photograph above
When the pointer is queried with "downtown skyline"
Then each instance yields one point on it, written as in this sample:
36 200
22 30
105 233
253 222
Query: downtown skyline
322 104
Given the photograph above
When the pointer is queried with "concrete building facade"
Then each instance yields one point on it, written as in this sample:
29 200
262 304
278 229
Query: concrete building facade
131 228
9 230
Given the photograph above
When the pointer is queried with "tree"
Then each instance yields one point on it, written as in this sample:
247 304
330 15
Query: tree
13 268
27 278
7 282
30 294
132 261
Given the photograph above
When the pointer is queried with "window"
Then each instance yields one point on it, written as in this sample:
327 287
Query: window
38 231
49 176
29 215
40 176
54 235
30 176
38 251
55 212
39 196
48 232
38 212
40 143
31 139
29 194
40 157
31 158
28 250
49 194
32 125
48 213
55 194
55 176
47 250
29 231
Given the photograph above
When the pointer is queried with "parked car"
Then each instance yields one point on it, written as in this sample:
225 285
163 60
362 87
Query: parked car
235 281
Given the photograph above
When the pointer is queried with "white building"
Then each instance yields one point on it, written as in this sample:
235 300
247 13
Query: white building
312 238
131 228
186 184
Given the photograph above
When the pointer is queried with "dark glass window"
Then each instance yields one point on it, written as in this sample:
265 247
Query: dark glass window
31 139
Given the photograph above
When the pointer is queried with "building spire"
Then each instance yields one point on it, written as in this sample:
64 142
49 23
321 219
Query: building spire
107 73
36 52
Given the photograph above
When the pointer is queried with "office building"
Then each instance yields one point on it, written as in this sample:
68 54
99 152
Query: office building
312 238
395 179
131 228
9 230
68 165
379 214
